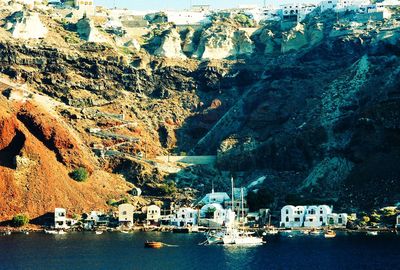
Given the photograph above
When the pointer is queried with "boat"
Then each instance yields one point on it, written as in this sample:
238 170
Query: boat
153 244
329 234
372 233
55 232
99 232
271 231
233 236
306 231
315 232
124 231
7 233
25 232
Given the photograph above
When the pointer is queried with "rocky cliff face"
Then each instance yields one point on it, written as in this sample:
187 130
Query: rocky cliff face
309 114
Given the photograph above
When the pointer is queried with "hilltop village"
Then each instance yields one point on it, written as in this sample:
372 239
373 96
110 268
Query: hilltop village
117 118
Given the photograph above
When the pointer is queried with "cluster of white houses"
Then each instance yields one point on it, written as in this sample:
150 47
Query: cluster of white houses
213 210
200 14
311 216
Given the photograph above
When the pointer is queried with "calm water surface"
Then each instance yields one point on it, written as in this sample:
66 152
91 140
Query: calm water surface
126 251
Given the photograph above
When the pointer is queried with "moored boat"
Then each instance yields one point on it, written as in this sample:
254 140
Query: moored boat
54 232
99 232
372 233
329 234
152 244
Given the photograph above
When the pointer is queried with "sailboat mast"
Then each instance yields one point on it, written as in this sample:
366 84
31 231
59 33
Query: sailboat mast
233 197
241 195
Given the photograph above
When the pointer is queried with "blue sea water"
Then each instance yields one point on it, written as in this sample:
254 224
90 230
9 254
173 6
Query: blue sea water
126 251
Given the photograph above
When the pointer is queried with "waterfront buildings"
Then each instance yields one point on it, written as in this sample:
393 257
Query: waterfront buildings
60 218
310 216
185 216
125 214
61 221
153 214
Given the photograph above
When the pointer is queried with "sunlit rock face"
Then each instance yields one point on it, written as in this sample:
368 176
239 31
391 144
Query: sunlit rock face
87 30
26 25
223 41
170 45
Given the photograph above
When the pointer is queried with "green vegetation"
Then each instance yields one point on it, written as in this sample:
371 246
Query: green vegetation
244 20
115 203
80 174
168 188
20 220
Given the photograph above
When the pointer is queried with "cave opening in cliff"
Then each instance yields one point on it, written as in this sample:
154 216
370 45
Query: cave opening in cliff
8 153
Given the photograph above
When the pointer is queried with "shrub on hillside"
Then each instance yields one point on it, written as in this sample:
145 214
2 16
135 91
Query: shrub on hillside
20 220
80 174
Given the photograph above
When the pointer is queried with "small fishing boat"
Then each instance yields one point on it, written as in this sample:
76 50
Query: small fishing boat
99 232
372 233
315 232
124 231
329 234
152 244
25 232
7 233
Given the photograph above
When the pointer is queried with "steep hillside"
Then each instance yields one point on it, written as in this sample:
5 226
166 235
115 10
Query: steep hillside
305 114
36 157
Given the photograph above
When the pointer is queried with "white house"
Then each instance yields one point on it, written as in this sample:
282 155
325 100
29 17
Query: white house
125 214
214 213
60 218
185 216
85 6
153 214
328 5
351 5
61 221
398 222
215 197
338 219
136 191
305 216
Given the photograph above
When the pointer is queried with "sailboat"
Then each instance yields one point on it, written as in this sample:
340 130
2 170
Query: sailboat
233 236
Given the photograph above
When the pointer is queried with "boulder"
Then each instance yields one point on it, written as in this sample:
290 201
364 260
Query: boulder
170 45
26 25
87 31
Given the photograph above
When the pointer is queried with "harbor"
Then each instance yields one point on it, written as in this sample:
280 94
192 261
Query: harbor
126 251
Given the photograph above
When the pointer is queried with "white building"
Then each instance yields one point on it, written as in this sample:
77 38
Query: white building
305 216
215 214
136 191
187 17
338 219
328 5
185 216
61 221
351 5
125 214
85 6
60 218
215 197
153 214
